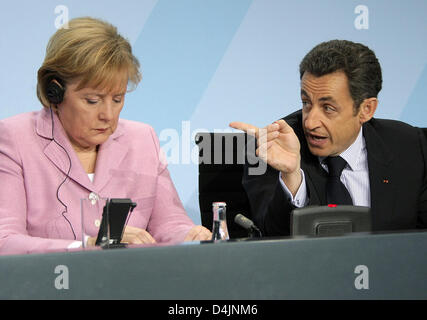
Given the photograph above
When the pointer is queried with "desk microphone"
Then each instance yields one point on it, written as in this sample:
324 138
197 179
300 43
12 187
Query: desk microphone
247 224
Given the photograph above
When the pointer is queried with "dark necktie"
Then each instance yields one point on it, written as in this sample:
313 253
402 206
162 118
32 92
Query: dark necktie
336 192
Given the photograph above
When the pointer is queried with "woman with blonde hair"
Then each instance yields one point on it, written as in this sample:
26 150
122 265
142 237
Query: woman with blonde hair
77 147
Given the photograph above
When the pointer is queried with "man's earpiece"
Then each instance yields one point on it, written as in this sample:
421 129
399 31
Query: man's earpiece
55 91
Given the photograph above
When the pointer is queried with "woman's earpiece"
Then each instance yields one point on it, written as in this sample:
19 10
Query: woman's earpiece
55 94
55 91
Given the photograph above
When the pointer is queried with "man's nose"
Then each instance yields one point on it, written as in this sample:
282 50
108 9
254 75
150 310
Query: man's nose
312 118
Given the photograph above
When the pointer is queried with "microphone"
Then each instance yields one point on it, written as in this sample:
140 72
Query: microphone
247 224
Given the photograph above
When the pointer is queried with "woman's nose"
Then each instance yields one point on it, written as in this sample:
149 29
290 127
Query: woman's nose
106 111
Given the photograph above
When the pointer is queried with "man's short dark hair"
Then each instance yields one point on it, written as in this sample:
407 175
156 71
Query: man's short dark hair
357 61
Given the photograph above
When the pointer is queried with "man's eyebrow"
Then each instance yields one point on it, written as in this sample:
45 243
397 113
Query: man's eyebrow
328 98
303 93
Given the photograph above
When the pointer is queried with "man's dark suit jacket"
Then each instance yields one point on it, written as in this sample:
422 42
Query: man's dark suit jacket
397 162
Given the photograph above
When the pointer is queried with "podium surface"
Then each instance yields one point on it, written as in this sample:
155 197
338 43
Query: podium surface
359 266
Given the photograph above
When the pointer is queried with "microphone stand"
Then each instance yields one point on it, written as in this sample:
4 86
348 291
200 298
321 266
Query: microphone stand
254 232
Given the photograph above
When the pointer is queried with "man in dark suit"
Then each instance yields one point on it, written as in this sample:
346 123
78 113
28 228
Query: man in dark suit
384 162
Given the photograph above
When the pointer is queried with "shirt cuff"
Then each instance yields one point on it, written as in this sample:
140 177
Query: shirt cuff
300 198
74 245
77 244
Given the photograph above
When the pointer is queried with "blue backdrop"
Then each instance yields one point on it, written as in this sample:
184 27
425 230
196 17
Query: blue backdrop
206 63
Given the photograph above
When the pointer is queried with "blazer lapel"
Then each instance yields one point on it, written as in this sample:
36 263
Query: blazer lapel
316 178
59 149
380 177
110 155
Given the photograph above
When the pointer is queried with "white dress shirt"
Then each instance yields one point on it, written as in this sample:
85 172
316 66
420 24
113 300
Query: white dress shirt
355 176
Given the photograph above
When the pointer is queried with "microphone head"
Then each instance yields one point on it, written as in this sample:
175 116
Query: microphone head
244 222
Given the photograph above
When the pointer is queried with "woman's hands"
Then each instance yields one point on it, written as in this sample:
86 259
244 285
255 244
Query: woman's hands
198 233
134 235
131 235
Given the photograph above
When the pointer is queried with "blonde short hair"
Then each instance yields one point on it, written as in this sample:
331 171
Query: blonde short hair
91 51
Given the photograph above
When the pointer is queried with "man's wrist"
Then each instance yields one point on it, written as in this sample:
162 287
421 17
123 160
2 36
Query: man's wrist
292 180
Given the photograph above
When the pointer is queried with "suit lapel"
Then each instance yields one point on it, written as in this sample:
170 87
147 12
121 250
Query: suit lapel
316 178
380 177
110 155
59 150
74 169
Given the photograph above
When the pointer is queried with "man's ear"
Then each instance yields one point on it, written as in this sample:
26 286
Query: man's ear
367 109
